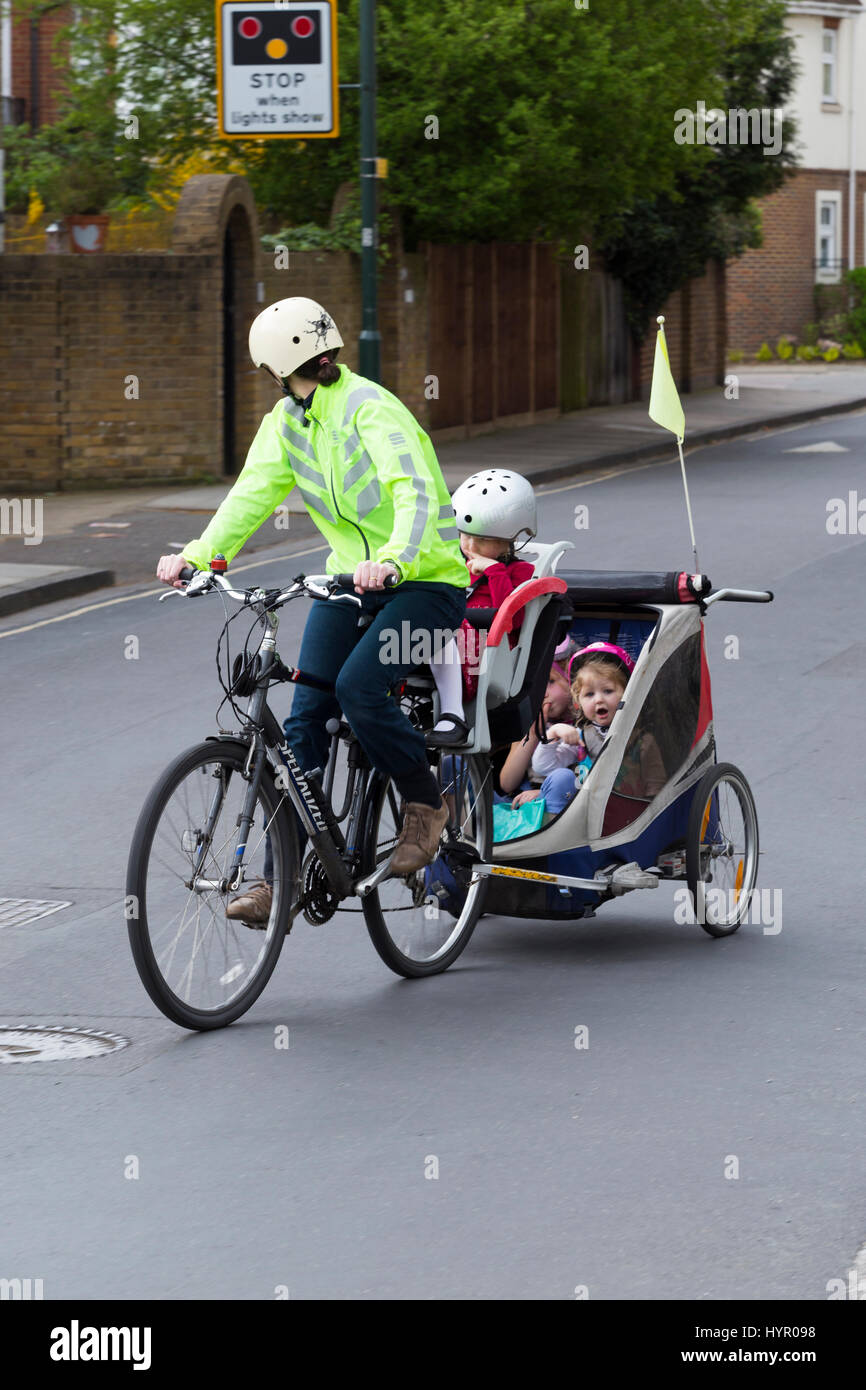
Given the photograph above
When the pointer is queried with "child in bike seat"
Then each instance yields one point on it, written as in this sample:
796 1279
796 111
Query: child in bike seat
493 510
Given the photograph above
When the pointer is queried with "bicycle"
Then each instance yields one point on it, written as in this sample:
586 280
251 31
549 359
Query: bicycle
203 830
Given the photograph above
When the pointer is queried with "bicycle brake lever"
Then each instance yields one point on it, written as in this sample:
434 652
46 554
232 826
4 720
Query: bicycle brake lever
341 597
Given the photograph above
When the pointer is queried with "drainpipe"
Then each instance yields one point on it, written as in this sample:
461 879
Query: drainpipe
852 152
5 93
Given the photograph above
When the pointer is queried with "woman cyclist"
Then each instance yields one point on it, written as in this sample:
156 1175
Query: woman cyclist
371 483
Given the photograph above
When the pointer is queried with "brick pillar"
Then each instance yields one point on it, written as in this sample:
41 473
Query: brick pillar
216 216
50 77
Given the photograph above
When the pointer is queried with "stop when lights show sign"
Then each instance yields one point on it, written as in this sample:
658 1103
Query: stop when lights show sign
277 70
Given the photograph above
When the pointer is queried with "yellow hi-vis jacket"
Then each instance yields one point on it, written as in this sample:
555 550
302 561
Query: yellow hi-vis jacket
368 476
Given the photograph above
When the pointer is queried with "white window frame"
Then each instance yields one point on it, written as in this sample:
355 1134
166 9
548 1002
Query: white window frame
832 274
830 63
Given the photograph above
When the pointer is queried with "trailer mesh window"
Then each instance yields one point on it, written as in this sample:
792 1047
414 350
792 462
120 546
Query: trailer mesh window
661 738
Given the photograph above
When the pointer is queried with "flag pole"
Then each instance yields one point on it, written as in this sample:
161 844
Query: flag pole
689 508
661 323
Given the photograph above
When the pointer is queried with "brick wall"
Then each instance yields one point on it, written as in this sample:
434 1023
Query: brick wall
31 361
75 328
695 333
333 278
771 290
50 76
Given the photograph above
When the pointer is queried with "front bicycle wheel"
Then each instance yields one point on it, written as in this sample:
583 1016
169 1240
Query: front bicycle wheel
419 924
202 968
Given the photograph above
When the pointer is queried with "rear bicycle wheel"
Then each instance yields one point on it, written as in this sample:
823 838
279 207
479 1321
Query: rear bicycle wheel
722 849
415 931
200 967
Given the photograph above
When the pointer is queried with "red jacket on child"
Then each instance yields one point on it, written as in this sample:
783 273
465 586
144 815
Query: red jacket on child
489 590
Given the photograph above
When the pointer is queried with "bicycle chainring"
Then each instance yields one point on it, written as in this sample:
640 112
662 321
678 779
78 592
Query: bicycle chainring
319 902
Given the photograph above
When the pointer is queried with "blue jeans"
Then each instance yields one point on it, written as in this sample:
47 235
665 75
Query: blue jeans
558 788
363 664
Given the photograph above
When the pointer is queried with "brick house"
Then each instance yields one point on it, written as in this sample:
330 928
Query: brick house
31 83
814 224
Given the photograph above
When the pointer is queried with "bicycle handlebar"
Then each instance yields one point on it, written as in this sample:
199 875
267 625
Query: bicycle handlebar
322 586
315 585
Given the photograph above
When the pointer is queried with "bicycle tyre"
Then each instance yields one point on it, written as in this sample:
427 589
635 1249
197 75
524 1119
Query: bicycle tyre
396 904
145 923
708 817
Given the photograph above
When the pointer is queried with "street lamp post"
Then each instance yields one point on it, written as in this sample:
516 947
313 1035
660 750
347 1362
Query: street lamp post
5 82
370 341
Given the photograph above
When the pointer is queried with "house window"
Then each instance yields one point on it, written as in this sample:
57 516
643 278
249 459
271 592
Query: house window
828 65
828 260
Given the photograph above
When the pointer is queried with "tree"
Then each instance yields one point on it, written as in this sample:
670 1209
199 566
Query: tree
81 162
667 238
549 120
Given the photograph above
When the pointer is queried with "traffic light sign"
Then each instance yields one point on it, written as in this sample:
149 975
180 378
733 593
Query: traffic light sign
276 35
277 69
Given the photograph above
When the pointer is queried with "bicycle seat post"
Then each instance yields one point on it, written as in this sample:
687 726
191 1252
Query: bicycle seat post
333 729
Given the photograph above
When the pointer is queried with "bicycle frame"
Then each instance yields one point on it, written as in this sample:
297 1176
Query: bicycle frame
311 802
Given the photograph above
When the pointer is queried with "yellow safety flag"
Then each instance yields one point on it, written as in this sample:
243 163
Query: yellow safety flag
665 407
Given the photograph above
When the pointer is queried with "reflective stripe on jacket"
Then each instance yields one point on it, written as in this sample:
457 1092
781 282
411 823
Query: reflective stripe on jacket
367 474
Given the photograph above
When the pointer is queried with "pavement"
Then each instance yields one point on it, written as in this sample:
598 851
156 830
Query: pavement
90 540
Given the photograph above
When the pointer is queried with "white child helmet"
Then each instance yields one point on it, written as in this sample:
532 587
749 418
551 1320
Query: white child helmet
289 333
496 502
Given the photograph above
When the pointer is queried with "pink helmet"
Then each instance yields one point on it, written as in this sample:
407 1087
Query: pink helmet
594 649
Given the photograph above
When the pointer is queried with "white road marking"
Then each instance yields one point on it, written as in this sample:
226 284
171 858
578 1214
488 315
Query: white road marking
149 593
827 446
17 912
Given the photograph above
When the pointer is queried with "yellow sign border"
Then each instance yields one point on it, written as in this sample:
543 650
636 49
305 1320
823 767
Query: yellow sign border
279 135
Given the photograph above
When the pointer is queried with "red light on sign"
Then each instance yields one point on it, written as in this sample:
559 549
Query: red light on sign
250 27
302 27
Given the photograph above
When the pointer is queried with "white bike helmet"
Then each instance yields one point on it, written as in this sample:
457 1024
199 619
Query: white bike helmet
289 333
496 502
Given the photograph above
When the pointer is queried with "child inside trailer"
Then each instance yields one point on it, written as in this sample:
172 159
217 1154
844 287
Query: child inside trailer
598 675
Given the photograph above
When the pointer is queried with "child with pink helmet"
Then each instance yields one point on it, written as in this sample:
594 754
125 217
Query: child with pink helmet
598 675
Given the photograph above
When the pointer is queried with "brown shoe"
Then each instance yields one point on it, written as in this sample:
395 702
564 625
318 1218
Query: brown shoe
419 838
253 906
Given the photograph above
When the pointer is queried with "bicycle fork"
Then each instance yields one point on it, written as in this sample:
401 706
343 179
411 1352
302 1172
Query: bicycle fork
232 881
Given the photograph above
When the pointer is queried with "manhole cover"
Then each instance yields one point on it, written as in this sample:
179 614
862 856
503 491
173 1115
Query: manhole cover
55 1044
16 912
